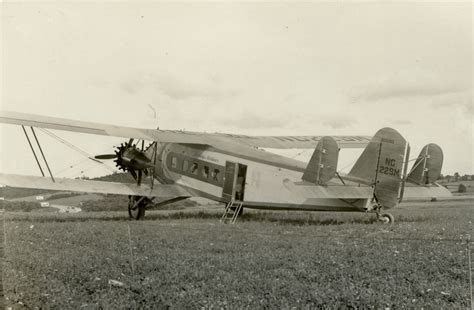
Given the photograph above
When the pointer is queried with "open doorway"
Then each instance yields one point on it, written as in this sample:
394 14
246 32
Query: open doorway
240 183
234 183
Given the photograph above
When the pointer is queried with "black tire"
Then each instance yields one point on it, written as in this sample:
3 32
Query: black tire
139 212
387 218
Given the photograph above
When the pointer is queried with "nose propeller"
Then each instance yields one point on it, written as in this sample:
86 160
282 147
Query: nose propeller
105 156
129 158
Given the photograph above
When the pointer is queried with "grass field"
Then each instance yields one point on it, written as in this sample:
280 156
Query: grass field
188 259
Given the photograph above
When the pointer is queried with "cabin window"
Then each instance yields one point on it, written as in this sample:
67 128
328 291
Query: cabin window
185 165
174 162
215 175
205 172
194 168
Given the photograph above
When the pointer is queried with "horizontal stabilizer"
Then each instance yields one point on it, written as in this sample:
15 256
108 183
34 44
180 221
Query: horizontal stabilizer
323 164
75 185
414 192
427 167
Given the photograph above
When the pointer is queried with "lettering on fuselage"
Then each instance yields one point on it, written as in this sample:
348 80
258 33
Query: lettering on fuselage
389 167
238 136
209 158
317 138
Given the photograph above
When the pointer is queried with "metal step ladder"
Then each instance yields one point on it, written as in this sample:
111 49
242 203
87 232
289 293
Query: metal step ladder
230 216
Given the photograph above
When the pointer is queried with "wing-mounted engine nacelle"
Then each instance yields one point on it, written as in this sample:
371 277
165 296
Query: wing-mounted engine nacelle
427 167
323 164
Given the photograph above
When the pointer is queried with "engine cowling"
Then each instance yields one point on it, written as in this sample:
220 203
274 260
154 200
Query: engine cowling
129 157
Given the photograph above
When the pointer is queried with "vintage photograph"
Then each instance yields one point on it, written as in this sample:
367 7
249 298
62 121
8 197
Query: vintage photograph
236 154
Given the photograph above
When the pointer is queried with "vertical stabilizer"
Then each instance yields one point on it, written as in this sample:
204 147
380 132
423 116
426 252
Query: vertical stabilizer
381 165
427 167
323 164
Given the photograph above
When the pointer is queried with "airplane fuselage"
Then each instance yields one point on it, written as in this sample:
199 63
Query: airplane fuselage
260 179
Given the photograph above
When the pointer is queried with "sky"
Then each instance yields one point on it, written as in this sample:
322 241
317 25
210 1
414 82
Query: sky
264 68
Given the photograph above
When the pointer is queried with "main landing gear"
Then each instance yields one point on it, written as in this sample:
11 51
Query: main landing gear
385 218
137 206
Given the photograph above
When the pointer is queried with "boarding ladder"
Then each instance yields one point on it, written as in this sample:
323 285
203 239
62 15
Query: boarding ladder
230 216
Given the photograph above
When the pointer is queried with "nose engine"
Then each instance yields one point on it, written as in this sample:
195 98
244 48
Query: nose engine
130 159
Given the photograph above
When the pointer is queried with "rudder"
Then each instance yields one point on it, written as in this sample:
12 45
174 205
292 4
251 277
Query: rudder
382 165
323 164
427 167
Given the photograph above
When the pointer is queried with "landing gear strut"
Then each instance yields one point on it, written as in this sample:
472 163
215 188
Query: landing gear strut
137 206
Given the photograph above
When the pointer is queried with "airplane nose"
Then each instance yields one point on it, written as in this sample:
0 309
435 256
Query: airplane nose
139 161
140 164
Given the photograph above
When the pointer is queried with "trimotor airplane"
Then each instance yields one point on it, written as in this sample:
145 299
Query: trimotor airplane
231 169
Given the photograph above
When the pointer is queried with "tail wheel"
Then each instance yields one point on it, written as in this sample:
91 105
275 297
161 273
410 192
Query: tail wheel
386 218
137 206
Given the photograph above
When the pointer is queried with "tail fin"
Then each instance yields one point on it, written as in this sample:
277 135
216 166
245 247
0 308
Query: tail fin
382 165
323 164
427 167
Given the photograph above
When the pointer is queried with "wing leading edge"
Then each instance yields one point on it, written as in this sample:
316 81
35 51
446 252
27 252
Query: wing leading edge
177 136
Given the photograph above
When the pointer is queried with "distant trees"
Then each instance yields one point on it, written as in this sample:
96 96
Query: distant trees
465 177
456 176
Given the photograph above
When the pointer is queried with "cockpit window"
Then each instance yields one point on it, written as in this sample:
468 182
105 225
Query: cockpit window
205 172
194 168
215 174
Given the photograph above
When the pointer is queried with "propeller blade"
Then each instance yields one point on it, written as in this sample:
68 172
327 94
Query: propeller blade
139 181
106 156
134 174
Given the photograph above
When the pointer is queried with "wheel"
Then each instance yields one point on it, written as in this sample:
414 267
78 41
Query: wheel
137 213
386 218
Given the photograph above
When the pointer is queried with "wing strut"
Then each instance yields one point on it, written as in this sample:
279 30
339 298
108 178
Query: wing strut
41 151
154 165
32 149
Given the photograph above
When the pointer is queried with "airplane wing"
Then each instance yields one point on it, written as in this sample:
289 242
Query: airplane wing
89 186
177 136
298 142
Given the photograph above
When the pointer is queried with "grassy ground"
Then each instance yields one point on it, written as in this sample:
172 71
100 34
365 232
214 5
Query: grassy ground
188 259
